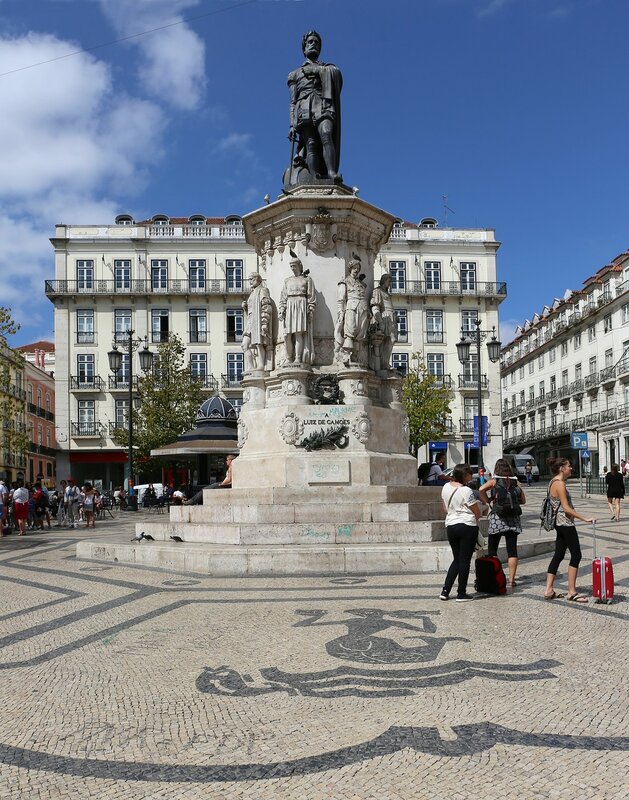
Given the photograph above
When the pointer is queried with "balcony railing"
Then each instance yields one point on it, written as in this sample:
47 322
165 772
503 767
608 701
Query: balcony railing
622 367
563 391
14 391
530 403
207 382
195 337
471 382
588 308
592 419
591 380
231 337
85 337
220 286
94 430
576 387
42 449
607 374
231 381
443 381
87 383
609 415
466 425
121 384
451 288
434 337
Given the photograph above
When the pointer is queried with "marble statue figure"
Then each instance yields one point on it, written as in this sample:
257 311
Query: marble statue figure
352 319
257 343
384 316
296 310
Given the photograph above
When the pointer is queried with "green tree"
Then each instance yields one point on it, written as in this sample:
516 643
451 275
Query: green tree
14 438
168 401
427 403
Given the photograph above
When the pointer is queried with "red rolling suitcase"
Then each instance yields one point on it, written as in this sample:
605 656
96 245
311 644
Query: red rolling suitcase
602 574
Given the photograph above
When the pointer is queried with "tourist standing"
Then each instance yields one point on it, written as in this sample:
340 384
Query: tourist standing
567 536
20 507
462 515
615 483
504 515
89 496
72 498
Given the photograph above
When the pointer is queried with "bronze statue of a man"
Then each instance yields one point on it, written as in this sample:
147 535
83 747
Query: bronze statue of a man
315 112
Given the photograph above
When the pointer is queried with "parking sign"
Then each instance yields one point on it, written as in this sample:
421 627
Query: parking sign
579 441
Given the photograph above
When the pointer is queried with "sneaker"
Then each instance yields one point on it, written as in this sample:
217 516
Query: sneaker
464 598
444 595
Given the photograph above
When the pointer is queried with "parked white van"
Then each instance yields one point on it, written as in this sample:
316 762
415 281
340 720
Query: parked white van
518 462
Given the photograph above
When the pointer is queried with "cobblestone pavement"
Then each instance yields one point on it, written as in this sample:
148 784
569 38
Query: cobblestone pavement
127 682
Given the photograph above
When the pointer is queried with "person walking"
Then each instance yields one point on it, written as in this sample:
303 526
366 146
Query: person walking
615 483
20 507
89 495
72 498
567 536
528 473
462 515
505 502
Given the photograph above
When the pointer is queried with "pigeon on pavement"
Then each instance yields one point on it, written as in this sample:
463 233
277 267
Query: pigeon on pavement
176 538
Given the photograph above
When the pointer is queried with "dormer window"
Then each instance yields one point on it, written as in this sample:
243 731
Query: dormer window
197 219
124 219
160 219
428 222
233 221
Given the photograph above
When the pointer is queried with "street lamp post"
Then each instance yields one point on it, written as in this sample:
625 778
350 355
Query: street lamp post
463 352
115 364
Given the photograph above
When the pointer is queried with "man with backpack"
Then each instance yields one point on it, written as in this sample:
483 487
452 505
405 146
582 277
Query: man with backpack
433 474
506 499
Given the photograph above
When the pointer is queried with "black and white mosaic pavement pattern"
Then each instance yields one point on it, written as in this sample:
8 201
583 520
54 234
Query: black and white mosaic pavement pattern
128 682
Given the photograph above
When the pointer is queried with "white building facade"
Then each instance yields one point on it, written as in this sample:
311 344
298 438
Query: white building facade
567 371
189 276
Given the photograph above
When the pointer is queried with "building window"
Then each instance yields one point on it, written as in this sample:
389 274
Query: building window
552 355
434 327
159 325
48 437
577 372
542 391
468 318
198 365
40 435
553 383
470 410
432 275
399 362
607 323
542 420
531 393
122 376
625 313
236 403
564 377
577 341
39 398
122 324
85 326
48 405
235 324
397 271
197 274
468 276
234 271
85 275
87 416
532 423
85 368
435 364
197 320
531 367
470 372
121 411
564 349
592 365
401 321
159 275
521 373
122 274
512 381
235 368
29 393
591 333
540 361
609 358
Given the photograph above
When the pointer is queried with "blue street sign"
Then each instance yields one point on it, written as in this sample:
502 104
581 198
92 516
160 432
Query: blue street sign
437 445
485 431
585 454
579 441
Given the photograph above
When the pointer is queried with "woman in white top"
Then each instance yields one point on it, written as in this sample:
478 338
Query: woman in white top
20 507
462 515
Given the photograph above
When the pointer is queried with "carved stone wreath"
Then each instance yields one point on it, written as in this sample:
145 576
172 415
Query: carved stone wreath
361 427
243 432
292 387
291 428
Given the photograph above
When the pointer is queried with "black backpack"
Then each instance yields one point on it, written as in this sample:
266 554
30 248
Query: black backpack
506 498
423 471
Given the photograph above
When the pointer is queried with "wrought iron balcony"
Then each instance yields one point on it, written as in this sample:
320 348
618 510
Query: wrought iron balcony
85 337
609 415
93 430
450 288
443 381
144 286
591 380
196 337
607 374
434 337
13 390
87 383
471 382
231 381
121 384
208 382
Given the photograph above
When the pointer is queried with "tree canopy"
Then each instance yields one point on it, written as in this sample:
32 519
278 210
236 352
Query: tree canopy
167 403
427 403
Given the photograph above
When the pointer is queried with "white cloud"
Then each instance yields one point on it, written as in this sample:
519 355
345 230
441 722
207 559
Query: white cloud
507 330
67 143
172 65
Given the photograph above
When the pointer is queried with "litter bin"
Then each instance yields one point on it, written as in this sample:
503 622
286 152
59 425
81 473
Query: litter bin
132 503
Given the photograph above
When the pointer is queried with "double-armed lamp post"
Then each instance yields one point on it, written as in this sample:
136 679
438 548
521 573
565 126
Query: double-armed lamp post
463 351
115 365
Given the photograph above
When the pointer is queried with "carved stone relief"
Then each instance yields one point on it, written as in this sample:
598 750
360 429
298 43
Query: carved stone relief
243 432
361 427
291 428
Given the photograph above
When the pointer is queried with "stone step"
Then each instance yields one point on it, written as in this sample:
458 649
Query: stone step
328 495
315 559
344 513
300 534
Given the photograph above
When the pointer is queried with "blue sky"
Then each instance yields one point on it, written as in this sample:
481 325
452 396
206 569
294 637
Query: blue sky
514 109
